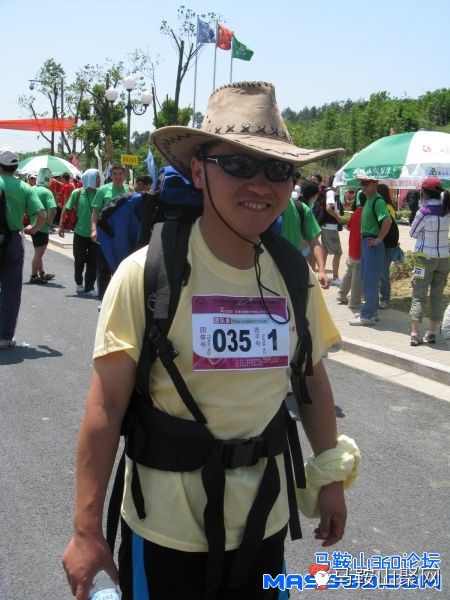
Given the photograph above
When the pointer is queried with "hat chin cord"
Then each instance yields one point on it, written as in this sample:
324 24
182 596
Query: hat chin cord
258 250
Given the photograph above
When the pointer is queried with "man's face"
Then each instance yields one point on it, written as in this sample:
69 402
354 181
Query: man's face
32 181
369 187
118 178
142 187
314 178
248 205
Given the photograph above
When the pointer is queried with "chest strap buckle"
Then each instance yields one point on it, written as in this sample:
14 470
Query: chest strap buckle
241 452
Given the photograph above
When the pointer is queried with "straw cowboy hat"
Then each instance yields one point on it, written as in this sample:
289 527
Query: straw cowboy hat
244 114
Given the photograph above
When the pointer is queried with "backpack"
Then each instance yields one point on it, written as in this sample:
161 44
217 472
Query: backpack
70 216
392 237
158 440
5 232
319 208
301 212
126 222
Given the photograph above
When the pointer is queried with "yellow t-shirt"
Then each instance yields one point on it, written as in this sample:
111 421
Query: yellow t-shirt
236 404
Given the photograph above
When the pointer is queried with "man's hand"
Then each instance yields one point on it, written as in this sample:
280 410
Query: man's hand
94 234
333 514
323 280
84 557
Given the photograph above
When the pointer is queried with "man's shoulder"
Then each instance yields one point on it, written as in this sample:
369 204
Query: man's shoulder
41 192
135 261
330 193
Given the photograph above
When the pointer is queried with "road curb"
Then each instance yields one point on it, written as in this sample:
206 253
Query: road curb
66 246
400 360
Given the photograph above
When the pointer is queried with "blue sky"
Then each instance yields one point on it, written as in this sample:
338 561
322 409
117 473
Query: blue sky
314 52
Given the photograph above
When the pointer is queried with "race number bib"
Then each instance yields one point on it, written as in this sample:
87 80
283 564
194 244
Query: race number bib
236 333
419 271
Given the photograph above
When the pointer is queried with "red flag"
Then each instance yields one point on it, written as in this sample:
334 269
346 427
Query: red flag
74 161
224 37
58 124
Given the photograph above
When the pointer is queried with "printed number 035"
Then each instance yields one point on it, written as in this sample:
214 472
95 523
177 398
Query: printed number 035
243 343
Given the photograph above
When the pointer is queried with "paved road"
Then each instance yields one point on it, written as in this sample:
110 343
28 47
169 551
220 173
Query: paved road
399 505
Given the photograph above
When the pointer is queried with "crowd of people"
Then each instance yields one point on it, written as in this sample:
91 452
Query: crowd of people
366 284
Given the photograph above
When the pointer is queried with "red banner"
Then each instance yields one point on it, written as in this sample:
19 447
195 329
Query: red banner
39 124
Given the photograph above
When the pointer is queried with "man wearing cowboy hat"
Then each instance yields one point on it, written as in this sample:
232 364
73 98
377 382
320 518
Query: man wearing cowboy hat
242 158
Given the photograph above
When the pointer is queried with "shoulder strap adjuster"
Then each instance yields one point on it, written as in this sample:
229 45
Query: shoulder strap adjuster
154 334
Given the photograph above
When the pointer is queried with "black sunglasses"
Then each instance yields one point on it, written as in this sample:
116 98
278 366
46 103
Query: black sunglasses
246 167
363 183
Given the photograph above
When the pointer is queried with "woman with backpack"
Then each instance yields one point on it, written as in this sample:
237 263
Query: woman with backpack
431 257
385 277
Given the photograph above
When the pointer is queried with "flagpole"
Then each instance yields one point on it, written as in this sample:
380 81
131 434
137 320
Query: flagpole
215 55
231 67
195 80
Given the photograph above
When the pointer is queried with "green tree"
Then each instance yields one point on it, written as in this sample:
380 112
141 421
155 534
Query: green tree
139 139
166 115
49 81
198 119
102 122
183 40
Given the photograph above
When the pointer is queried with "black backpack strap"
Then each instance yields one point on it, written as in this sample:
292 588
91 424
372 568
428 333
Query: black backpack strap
295 272
301 212
374 212
165 268
148 213
164 274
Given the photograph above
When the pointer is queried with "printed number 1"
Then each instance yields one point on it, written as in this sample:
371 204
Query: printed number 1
273 336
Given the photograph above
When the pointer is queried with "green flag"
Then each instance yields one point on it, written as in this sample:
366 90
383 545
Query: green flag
241 50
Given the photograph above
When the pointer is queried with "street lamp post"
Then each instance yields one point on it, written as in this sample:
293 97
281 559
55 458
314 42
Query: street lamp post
32 82
112 94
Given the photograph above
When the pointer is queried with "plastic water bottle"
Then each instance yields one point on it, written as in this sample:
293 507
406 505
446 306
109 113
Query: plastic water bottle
103 588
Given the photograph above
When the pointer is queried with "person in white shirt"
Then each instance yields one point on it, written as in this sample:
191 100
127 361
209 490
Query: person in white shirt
331 242
431 258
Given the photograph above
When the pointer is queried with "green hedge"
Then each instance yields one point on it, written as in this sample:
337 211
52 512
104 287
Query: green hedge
403 270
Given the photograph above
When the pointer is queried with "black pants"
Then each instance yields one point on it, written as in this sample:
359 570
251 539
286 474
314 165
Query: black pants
85 253
57 216
175 575
104 273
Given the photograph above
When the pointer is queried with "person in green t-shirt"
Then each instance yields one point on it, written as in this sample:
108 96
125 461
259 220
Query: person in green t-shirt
85 250
40 238
375 224
20 198
299 227
105 194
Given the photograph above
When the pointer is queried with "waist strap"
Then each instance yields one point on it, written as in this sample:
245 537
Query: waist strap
160 441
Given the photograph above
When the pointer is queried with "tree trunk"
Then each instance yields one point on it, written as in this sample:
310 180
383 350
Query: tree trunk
109 148
108 138
178 86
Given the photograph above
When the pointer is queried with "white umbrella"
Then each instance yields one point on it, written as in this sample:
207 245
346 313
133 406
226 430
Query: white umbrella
56 165
401 161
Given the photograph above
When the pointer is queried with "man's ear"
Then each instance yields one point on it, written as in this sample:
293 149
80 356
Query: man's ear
197 172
